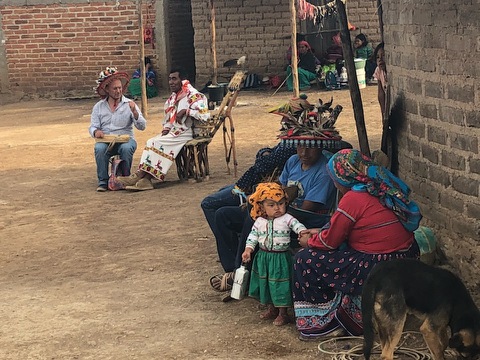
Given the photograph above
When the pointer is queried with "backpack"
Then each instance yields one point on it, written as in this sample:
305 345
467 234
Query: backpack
118 168
251 81
331 81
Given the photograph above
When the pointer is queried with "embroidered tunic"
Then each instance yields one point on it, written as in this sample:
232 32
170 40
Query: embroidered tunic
160 151
273 235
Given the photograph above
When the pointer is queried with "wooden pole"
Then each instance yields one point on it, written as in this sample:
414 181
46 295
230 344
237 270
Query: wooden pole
352 79
143 78
294 62
213 45
380 19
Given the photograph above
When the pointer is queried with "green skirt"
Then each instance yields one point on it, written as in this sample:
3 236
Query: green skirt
271 278
135 89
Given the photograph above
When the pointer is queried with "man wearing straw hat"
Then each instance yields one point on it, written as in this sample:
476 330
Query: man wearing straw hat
114 115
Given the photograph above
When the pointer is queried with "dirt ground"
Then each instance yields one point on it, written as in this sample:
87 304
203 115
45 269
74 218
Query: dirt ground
123 275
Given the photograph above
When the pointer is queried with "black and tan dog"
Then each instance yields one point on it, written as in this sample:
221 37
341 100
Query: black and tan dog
434 295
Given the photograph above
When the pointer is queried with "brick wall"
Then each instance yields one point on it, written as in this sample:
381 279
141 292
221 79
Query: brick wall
60 47
432 53
255 28
258 29
363 14
46 41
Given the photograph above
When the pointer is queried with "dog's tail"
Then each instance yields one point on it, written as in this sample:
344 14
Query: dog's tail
368 302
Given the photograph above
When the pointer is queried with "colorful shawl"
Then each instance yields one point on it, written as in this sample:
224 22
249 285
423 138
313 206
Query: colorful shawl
356 171
264 191
194 96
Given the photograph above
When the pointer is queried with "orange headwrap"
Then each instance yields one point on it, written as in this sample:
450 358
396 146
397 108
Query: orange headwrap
264 191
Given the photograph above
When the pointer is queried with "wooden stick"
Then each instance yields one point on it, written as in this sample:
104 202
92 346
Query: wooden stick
380 19
213 45
143 78
352 79
294 62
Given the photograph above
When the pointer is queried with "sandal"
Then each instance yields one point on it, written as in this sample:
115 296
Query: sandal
222 282
281 320
271 313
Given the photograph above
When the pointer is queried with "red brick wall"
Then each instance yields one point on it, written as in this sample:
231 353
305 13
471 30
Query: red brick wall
59 49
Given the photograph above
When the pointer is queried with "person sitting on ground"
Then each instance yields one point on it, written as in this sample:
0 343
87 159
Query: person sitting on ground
304 172
374 222
270 279
363 50
183 106
300 37
333 57
113 115
135 87
306 67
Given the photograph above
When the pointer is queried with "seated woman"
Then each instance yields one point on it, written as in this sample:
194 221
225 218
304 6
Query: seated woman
306 67
374 222
363 50
135 86
333 58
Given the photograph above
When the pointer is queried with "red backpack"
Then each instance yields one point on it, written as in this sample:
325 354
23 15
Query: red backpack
118 168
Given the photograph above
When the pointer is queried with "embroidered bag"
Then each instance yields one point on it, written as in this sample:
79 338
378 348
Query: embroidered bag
118 168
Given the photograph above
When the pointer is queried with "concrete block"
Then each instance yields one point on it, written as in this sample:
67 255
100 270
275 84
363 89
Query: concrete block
430 153
453 161
464 142
473 118
414 85
463 93
464 185
417 128
439 176
451 115
428 110
451 202
466 227
434 89
474 165
411 106
420 168
413 146
436 135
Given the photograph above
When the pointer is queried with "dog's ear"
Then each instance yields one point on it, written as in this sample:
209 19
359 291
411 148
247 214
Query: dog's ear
463 338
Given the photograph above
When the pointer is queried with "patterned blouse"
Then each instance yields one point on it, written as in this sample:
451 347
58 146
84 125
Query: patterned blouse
273 235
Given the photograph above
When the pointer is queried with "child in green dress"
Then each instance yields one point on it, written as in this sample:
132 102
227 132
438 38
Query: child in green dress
270 280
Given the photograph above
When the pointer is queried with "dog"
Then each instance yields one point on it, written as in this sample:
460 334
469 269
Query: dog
434 295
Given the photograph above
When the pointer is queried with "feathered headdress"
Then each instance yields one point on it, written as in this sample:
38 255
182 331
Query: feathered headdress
309 125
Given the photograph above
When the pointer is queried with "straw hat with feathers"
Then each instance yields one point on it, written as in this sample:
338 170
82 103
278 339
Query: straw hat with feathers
107 76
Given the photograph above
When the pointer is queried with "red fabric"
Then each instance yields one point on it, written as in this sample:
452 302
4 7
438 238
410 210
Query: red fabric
366 224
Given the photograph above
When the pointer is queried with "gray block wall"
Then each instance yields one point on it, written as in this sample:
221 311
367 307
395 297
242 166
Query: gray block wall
432 52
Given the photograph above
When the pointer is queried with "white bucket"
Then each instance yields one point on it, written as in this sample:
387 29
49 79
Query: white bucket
362 82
